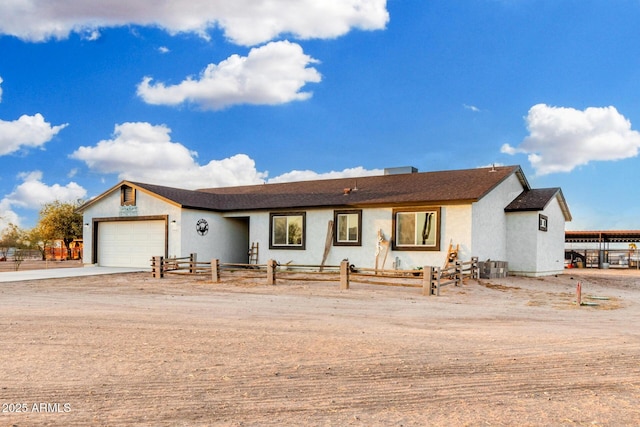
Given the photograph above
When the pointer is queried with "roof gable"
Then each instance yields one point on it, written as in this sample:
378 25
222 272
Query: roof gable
177 196
537 200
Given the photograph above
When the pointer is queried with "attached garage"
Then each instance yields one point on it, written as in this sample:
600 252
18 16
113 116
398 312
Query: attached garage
129 243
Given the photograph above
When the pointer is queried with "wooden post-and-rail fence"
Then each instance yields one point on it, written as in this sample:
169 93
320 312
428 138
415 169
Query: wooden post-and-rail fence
430 279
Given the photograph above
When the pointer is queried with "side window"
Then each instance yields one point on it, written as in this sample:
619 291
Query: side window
287 230
416 229
542 222
127 196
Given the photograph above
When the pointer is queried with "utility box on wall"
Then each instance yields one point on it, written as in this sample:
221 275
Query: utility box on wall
493 269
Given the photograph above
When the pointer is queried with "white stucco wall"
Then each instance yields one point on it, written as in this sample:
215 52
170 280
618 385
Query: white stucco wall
522 247
455 223
226 239
533 252
552 245
480 229
489 223
109 207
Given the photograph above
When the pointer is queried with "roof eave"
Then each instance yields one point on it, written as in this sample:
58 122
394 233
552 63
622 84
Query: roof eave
133 185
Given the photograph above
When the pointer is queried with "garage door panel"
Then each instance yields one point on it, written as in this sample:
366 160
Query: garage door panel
130 243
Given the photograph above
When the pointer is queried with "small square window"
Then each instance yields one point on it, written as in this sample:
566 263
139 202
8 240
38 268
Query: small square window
346 229
542 222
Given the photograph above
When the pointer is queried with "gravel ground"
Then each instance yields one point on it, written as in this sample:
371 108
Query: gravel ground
128 349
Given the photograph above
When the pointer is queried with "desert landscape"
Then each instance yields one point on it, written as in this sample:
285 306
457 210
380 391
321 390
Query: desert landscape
128 349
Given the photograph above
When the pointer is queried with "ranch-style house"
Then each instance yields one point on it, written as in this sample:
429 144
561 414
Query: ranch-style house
491 213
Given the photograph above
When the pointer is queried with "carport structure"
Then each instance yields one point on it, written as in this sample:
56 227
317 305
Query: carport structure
594 248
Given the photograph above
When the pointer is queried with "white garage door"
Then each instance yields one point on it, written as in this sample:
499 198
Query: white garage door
130 243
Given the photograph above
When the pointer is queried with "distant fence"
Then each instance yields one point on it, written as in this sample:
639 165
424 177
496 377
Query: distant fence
429 279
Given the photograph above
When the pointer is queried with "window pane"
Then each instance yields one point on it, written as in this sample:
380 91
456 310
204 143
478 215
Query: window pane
280 230
353 227
343 225
427 234
295 230
406 228
347 227
416 228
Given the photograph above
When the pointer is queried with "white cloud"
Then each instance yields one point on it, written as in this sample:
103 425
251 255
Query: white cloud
144 152
307 175
471 108
245 22
27 131
561 139
7 215
268 75
163 49
32 193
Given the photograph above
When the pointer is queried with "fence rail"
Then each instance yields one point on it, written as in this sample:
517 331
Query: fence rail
430 279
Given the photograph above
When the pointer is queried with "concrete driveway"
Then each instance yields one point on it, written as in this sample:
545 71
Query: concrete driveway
59 273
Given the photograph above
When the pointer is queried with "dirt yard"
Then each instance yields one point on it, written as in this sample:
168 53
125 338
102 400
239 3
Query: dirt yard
133 350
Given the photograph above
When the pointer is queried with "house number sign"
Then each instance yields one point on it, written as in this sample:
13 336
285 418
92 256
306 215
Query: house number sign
202 227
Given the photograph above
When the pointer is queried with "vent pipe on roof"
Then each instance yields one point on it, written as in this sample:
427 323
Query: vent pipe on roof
400 170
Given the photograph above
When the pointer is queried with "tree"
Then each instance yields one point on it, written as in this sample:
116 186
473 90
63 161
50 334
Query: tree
13 237
60 221
9 239
38 241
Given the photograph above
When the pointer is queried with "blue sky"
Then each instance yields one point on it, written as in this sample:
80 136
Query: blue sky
216 93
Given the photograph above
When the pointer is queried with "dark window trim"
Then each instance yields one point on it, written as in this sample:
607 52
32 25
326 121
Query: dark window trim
543 222
358 242
438 224
301 247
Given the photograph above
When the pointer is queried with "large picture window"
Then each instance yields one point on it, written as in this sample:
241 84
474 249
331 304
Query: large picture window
417 229
287 230
347 226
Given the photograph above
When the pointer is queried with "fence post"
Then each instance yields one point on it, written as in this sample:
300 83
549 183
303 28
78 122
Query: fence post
435 280
458 273
192 263
215 270
344 274
271 272
426 281
157 267
475 269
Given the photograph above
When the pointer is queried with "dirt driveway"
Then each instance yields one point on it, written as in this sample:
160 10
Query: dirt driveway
132 350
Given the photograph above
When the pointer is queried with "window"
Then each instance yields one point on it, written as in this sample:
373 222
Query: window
127 196
287 231
347 226
542 222
417 229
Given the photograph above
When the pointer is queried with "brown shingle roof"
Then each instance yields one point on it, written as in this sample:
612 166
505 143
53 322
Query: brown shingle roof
537 200
466 185
185 198
402 189
532 200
